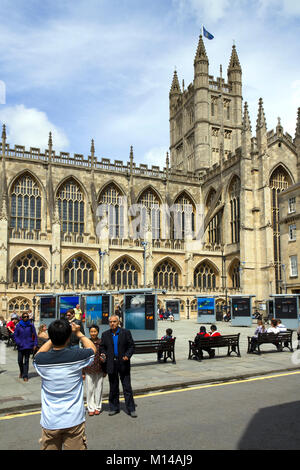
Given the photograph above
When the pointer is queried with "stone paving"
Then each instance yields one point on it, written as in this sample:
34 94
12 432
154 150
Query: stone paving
148 375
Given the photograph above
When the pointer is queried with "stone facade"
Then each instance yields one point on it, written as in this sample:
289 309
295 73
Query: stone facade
289 210
210 217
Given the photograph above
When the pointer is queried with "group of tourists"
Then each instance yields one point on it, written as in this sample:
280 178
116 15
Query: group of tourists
165 314
276 326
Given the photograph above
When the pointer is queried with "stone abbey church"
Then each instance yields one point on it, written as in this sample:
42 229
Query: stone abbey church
206 223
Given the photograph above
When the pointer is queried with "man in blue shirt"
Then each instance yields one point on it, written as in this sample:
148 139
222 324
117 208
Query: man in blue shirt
118 346
63 413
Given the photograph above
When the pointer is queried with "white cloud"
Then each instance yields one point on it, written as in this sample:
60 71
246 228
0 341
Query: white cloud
156 156
30 127
285 7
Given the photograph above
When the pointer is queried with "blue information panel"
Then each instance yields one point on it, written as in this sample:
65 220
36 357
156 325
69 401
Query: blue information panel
93 308
97 308
67 302
206 310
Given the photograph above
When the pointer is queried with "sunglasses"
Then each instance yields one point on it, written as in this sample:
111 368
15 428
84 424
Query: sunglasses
25 316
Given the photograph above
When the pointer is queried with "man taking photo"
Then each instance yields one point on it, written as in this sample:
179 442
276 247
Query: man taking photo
60 367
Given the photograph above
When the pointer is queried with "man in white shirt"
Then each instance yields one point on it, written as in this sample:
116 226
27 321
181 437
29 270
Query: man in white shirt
63 413
281 326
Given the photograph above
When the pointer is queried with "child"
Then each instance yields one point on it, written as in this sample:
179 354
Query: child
168 336
94 375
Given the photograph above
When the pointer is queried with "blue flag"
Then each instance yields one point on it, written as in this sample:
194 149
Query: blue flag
207 34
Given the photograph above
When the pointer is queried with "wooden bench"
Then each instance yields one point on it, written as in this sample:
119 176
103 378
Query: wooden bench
147 346
231 342
280 340
5 335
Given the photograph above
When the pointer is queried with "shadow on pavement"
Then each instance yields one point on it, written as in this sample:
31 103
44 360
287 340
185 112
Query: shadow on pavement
273 428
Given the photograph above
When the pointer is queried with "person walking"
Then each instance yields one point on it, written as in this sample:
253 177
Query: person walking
94 375
60 367
118 346
25 338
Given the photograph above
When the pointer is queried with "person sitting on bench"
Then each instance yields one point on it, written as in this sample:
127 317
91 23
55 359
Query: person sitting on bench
259 329
168 336
203 334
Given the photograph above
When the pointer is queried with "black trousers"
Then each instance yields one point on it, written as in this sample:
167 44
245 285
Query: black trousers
23 361
114 393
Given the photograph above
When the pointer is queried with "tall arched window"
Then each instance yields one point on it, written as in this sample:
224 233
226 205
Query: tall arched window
112 204
166 275
279 181
214 229
71 207
234 273
79 272
234 196
124 273
150 202
25 204
205 276
183 217
29 269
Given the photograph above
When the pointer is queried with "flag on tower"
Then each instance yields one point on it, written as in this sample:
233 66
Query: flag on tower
207 34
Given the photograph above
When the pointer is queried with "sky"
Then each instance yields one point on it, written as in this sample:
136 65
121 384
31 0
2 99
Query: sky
102 69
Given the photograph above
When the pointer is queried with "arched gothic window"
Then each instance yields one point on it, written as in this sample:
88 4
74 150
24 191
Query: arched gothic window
71 207
29 269
205 276
124 273
235 275
83 271
234 195
166 275
111 203
214 229
25 204
279 181
183 217
150 202
19 305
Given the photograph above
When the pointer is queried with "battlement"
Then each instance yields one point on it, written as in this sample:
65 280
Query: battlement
19 152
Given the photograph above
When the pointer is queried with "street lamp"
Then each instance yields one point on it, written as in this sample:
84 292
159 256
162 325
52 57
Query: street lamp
33 305
144 245
101 255
74 268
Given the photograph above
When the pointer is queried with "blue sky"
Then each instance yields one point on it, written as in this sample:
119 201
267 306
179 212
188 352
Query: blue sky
102 69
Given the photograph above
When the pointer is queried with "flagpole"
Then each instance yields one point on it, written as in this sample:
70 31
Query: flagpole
202 30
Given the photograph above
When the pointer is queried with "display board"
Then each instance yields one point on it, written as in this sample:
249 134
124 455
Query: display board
139 311
96 310
241 310
206 312
173 306
241 307
48 308
140 315
67 302
286 307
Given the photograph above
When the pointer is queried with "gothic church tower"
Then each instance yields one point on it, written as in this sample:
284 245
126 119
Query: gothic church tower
206 118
